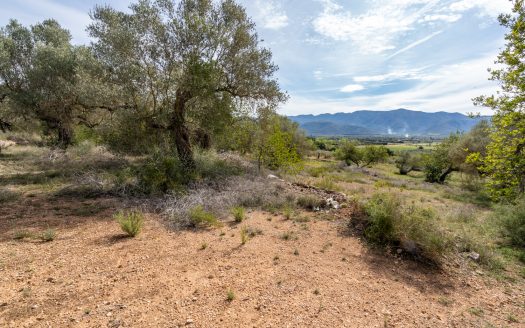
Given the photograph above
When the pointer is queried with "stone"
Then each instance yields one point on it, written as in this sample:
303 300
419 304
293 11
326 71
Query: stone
474 256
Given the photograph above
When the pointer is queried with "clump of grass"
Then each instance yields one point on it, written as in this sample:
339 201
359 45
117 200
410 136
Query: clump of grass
476 311
130 222
288 235
327 183
7 196
48 235
288 212
22 234
230 296
512 318
204 246
310 202
239 214
244 235
202 218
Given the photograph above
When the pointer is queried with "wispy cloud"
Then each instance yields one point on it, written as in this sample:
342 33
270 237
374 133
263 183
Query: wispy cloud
415 44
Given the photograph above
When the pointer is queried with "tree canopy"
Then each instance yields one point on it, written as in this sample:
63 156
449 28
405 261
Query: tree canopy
44 77
185 68
504 161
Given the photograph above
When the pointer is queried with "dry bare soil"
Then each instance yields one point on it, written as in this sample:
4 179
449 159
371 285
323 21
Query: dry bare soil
291 273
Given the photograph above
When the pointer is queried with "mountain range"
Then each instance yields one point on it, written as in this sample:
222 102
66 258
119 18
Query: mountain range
399 122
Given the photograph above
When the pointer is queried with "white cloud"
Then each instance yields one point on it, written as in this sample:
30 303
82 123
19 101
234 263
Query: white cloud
415 44
491 8
352 88
440 17
271 14
376 30
406 74
380 27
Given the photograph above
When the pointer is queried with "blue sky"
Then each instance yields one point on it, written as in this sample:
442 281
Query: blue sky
347 55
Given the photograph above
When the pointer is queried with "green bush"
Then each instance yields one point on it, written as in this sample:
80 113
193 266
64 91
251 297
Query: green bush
201 218
130 222
383 212
414 229
239 214
48 235
513 221
161 173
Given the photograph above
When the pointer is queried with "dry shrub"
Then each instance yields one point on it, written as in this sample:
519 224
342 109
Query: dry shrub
219 196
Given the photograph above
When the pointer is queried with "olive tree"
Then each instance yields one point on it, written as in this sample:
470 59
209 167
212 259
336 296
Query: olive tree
187 67
43 77
350 152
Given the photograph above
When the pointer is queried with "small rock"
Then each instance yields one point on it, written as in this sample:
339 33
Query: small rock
399 251
109 314
189 321
474 256
34 306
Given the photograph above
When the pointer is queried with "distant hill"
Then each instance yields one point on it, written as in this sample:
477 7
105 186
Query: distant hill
395 122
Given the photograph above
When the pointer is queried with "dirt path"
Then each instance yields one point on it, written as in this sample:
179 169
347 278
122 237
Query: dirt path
294 274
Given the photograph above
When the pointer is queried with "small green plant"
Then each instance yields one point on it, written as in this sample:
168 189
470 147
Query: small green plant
287 235
22 234
48 235
130 222
445 301
230 296
476 311
288 212
202 218
512 318
239 214
244 235
204 246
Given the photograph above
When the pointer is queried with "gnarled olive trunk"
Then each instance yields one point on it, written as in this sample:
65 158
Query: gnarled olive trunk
65 135
180 132
444 174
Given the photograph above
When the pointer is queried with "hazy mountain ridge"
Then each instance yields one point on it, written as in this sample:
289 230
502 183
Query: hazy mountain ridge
393 122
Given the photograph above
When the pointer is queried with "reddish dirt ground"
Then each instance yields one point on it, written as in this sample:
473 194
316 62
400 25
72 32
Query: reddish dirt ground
90 276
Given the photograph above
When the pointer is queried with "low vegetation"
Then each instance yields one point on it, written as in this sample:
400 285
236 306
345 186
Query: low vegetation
131 222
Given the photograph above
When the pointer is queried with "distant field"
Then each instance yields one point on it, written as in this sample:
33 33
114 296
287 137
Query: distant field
411 146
